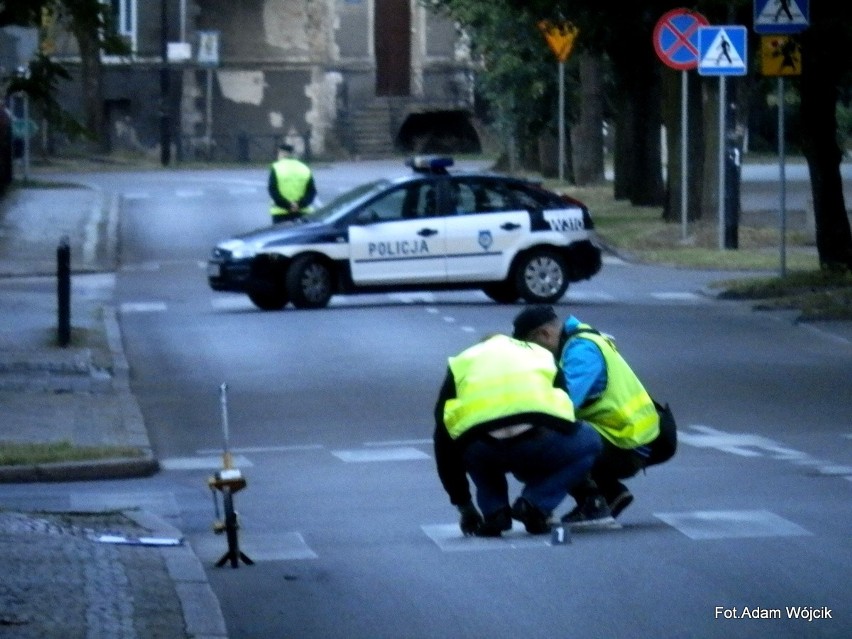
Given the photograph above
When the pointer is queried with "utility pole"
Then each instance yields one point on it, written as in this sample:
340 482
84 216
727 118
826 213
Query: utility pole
165 120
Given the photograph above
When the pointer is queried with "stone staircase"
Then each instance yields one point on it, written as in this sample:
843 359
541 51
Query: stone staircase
372 131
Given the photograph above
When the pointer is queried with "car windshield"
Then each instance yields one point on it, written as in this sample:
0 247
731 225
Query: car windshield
345 202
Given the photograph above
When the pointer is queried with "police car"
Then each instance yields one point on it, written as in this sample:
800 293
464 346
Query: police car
431 229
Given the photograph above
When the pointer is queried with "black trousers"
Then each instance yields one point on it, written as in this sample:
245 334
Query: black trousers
615 464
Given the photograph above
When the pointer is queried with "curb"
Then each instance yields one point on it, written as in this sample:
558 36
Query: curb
201 610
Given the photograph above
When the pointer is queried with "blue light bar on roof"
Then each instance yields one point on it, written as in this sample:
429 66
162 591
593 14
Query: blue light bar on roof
429 163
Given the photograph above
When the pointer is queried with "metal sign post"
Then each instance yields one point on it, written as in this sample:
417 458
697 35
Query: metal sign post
722 52
676 44
780 56
560 38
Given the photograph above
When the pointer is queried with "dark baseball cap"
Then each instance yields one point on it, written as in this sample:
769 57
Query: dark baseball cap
531 318
287 148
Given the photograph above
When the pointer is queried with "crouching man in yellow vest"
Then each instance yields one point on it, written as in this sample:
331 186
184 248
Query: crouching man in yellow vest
503 409
637 431
291 186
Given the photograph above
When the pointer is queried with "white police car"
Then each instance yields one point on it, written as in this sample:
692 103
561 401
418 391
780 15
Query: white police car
429 230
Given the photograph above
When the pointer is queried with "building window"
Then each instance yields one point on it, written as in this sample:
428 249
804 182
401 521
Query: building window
124 20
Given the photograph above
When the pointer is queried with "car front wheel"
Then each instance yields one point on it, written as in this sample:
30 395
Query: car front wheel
541 276
268 299
309 282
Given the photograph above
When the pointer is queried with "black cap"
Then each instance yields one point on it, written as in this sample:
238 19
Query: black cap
287 148
530 319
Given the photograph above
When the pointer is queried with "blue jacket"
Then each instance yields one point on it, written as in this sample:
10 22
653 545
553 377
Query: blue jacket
583 365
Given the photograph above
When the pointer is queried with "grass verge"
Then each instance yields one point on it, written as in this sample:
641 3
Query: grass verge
640 234
19 454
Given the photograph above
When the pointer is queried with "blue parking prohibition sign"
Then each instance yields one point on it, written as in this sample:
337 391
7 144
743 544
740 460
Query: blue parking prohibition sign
676 38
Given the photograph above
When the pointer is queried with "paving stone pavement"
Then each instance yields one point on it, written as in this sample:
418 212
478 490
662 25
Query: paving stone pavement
58 580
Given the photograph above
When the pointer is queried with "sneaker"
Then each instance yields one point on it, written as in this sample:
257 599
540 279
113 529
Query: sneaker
533 519
496 523
621 501
592 513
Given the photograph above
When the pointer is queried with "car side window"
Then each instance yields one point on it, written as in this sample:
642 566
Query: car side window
526 198
406 202
472 196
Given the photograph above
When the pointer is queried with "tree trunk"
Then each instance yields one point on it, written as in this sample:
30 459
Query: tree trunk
587 132
90 78
823 55
638 70
622 147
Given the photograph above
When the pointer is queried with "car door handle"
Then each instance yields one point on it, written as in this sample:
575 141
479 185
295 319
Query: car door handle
427 232
510 226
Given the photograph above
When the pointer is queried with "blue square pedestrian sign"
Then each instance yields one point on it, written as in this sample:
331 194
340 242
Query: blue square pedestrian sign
773 17
722 50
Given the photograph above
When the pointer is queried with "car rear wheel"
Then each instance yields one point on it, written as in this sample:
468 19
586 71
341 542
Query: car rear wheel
309 282
541 276
501 292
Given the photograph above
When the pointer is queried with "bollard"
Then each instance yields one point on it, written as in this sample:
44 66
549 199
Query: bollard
63 292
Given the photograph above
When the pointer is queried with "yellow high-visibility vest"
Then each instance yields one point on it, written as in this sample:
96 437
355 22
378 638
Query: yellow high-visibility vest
624 412
292 177
501 377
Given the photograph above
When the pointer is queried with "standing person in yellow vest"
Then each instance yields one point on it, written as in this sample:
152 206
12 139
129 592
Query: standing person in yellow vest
637 432
501 410
291 186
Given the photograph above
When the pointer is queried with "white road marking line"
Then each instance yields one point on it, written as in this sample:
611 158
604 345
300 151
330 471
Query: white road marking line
231 303
410 298
468 329
202 463
449 538
403 453
676 296
578 296
747 445
401 442
143 307
188 193
257 546
264 449
729 524
142 195
141 266
448 319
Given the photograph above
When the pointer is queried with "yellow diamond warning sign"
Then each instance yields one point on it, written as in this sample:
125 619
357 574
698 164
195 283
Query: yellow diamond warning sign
780 55
560 37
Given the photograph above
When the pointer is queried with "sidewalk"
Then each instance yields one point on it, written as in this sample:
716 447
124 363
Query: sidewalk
61 580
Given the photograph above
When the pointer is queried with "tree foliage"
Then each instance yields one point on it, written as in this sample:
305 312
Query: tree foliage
90 21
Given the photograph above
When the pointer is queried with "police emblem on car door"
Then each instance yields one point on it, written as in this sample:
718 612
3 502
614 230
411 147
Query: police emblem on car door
483 231
400 237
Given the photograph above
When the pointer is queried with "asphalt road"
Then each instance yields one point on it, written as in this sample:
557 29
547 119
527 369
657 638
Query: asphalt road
330 420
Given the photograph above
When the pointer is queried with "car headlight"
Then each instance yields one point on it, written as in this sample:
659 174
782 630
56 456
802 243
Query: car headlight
239 249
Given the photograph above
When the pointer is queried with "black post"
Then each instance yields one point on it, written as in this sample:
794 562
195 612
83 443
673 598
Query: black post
165 120
63 292
733 174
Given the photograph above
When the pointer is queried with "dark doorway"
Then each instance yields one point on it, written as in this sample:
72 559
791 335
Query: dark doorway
392 29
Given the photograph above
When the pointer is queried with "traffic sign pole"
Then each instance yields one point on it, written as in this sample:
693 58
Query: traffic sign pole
561 81
782 178
723 101
684 159
676 43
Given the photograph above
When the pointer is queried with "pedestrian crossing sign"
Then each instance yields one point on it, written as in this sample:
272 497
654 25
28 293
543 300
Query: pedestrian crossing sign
781 16
722 50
